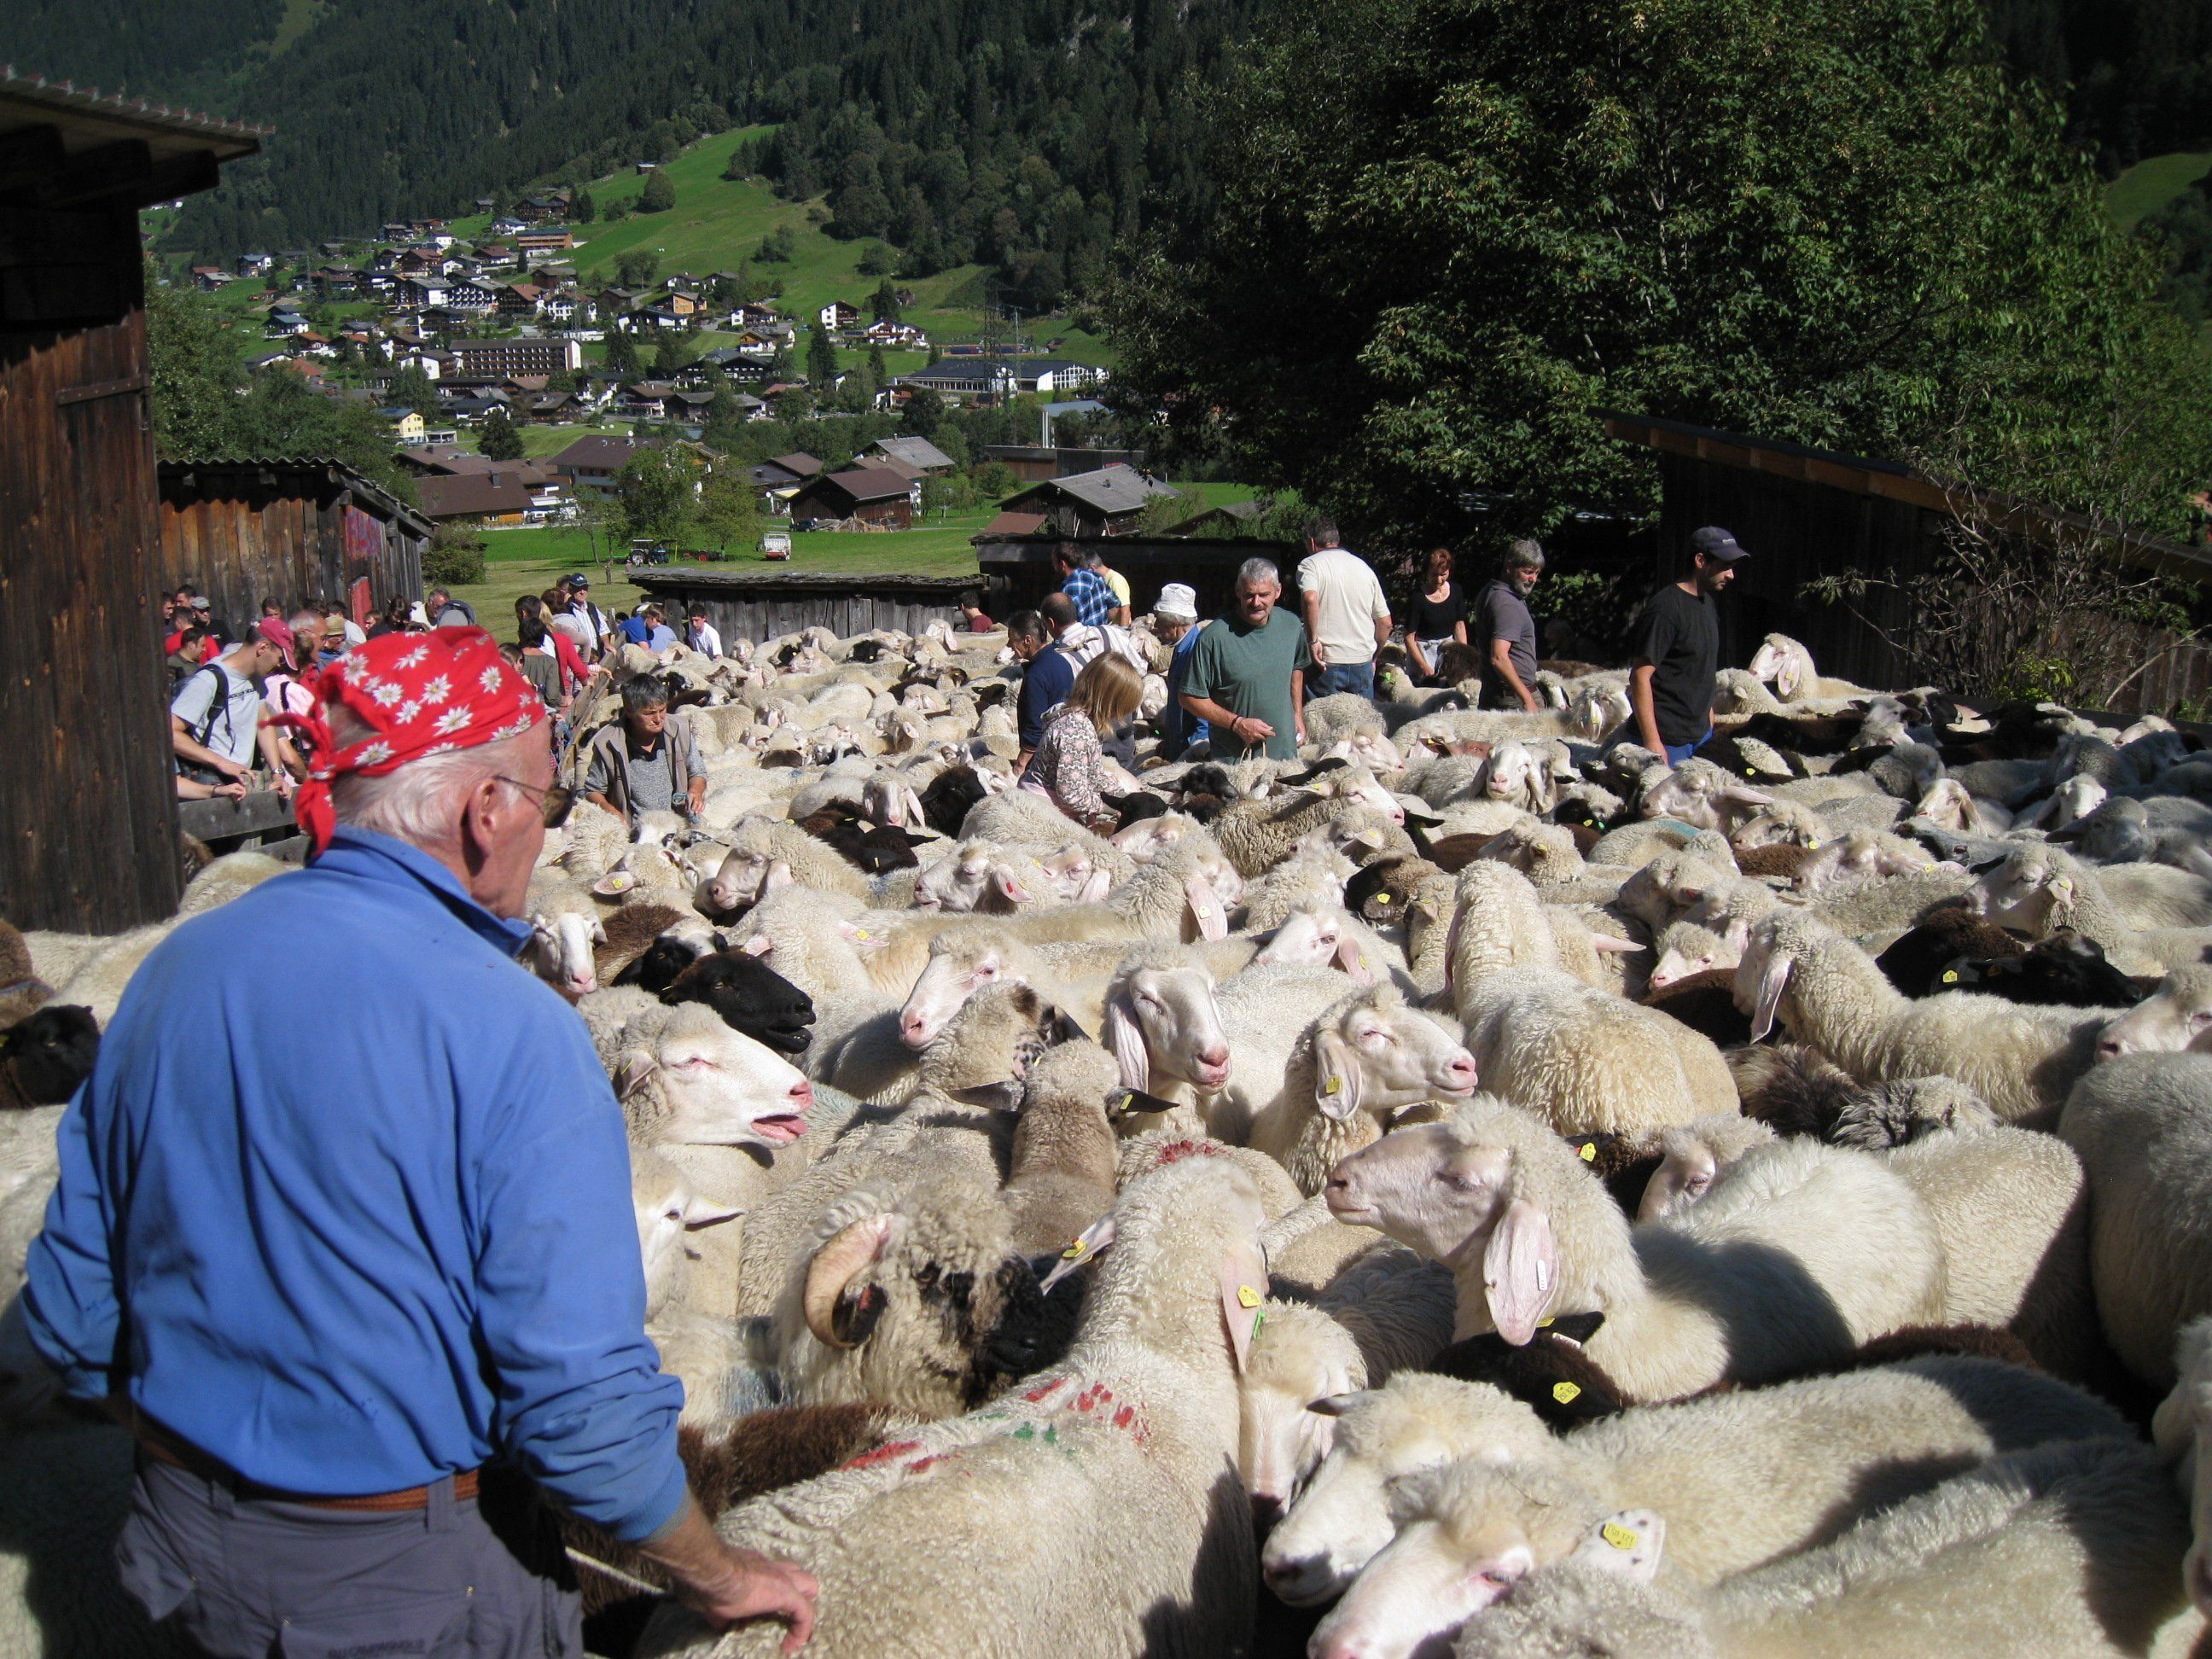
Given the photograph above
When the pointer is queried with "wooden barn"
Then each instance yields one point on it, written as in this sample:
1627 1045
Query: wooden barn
243 532
1805 514
88 820
860 494
759 604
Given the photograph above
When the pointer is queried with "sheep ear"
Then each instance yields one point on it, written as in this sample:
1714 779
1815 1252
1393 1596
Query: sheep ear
2172 1428
778 874
1336 1076
1089 1242
1627 1542
1339 1405
1057 1028
1212 920
1773 978
1010 887
1243 1289
1789 675
1520 1271
598 931
1126 1037
1095 886
614 884
1124 1102
631 1071
758 945
1352 959
1604 943
699 1214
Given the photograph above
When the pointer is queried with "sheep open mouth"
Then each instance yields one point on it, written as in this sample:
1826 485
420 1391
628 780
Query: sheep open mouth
779 1128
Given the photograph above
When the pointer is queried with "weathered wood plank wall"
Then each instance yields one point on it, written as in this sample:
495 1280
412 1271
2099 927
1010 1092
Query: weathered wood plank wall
244 532
87 819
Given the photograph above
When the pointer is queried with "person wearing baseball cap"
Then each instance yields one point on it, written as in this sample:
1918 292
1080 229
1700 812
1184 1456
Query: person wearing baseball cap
358 1254
578 587
1678 647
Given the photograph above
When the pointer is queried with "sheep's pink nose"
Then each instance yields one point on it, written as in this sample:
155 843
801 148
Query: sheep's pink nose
1460 1071
914 1031
586 983
802 1094
2111 1049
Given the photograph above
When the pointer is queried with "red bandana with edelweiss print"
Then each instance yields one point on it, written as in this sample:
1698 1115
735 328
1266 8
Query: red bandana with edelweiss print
420 695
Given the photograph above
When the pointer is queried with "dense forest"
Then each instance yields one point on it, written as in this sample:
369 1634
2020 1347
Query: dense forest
1025 134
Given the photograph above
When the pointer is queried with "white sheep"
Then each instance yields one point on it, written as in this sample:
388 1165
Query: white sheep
1744 1478
1335 1085
1585 1058
2068 1549
2127 909
1828 993
1787 665
2142 1126
1094 1512
1800 1254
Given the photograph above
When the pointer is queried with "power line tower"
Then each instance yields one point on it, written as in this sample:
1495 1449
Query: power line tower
1001 337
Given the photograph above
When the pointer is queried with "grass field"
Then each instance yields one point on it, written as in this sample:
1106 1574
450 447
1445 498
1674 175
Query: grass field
2149 184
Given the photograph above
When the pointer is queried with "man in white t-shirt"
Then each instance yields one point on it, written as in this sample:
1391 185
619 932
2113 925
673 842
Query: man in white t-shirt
700 634
1347 619
217 718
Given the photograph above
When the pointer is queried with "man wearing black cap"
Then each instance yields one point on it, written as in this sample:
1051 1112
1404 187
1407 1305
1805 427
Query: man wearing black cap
1678 647
579 589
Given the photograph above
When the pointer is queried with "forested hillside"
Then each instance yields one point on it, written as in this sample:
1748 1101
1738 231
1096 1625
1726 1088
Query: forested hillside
1022 133
2141 70
1025 134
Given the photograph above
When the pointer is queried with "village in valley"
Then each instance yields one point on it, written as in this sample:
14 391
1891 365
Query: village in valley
1278 828
533 369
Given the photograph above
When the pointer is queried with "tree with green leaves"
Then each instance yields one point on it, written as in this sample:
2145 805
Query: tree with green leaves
580 208
1839 221
637 268
667 356
876 260
877 371
658 194
411 387
192 371
821 358
729 513
924 412
497 438
656 493
622 351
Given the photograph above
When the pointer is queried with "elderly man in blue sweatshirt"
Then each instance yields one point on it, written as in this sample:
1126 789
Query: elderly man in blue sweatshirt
357 1253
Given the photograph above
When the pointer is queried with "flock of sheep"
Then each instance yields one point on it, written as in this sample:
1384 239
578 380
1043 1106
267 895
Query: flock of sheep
1464 1190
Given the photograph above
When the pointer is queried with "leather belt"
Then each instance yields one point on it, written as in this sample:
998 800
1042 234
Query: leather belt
160 1443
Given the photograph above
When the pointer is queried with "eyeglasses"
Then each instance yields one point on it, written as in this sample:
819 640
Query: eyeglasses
554 805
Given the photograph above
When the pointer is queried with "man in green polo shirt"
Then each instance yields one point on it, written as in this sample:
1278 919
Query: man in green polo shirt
1247 673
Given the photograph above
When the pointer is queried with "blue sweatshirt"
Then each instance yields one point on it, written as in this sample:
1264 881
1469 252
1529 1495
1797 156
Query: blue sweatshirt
352 1225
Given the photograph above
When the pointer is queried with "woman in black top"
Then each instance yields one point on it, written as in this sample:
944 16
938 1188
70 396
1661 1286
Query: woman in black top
1439 615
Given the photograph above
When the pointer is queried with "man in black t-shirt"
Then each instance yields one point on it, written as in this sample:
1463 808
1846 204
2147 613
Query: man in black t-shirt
1678 647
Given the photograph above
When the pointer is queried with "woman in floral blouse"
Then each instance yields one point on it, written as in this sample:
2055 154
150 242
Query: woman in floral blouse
1068 768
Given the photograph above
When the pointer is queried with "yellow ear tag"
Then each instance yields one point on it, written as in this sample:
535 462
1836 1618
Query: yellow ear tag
1950 976
1617 1535
1075 1252
1813 845
1543 1324
1247 1296
1588 1153
860 932
1566 1393
1334 1086
1381 898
